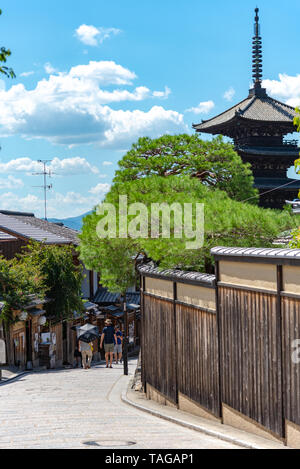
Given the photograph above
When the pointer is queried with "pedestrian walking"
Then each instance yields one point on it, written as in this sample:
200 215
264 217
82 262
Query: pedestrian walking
86 353
118 345
109 338
77 356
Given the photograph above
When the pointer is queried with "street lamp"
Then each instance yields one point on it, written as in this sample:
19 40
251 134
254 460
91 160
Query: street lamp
125 351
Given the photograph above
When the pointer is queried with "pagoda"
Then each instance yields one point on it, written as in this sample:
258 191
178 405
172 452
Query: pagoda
257 126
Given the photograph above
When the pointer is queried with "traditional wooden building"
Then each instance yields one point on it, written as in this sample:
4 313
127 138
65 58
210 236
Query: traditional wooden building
258 125
31 343
24 337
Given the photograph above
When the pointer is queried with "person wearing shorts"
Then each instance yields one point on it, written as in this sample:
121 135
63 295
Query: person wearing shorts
118 345
86 353
109 338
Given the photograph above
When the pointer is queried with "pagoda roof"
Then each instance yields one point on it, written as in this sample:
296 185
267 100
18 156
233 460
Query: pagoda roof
280 151
253 109
283 183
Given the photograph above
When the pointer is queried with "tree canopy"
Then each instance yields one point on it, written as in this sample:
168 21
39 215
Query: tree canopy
227 223
4 54
297 123
62 278
297 119
19 280
214 163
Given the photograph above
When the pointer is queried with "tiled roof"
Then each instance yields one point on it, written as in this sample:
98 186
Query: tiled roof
103 296
15 227
255 108
266 253
6 237
225 116
177 275
52 232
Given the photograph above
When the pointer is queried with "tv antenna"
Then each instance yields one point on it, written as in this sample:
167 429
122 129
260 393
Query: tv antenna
47 187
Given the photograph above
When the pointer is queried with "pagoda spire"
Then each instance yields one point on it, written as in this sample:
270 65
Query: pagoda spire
257 58
257 52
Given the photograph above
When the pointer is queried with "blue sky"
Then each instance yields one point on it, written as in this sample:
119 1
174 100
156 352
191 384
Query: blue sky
93 76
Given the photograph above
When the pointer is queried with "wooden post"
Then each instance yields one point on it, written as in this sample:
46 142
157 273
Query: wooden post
217 275
142 290
280 333
175 341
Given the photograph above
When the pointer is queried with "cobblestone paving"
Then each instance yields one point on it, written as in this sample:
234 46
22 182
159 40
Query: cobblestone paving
79 408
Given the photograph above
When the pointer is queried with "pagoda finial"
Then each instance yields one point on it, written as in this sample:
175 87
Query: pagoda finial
257 53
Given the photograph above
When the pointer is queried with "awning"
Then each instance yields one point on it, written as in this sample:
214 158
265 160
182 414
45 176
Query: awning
88 305
132 306
36 312
111 308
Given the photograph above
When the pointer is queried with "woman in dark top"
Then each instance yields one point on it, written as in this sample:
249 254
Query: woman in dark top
77 356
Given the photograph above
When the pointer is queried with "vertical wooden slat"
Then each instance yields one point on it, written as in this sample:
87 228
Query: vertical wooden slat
291 332
249 328
240 356
198 352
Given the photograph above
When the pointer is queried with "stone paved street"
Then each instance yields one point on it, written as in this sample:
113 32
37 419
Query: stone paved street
79 408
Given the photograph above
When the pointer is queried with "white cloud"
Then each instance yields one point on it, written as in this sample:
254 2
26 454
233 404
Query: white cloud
229 94
11 183
286 88
66 166
58 205
134 124
107 163
50 69
26 74
100 189
162 94
72 108
92 36
203 108
72 166
100 73
11 201
21 165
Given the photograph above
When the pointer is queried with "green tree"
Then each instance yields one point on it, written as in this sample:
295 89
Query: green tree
227 223
18 282
62 277
297 124
297 119
4 54
295 242
214 163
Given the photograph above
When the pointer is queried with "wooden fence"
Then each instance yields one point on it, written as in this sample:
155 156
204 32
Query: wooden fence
227 346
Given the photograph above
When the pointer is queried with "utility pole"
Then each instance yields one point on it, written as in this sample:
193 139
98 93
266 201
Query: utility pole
46 186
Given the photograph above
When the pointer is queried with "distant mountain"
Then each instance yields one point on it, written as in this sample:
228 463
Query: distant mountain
75 222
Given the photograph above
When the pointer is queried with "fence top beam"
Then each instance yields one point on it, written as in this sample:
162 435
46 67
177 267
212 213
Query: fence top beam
259 255
179 276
